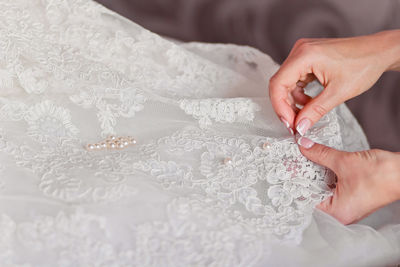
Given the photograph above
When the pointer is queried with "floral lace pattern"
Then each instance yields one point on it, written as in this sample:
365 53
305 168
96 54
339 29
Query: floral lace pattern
48 121
212 180
296 184
220 110
191 237
81 237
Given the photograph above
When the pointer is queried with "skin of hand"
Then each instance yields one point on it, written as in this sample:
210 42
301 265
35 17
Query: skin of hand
366 180
346 67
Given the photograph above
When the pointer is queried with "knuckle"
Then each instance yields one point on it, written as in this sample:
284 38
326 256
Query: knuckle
272 86
272 81
371 155
324 153
361 161
366 155
342 162
300 42
319 110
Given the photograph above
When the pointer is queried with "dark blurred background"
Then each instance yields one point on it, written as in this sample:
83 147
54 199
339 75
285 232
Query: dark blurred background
273 26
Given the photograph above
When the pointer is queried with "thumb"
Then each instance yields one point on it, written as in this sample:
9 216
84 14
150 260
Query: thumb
320 154
314 110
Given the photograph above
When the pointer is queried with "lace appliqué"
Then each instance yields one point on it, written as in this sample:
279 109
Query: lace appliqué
293 184
79 239
196 234
111 104
48 122
193 234
59 169
219 110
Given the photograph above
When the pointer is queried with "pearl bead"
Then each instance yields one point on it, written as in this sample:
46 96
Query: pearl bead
113 142
266 145
227 161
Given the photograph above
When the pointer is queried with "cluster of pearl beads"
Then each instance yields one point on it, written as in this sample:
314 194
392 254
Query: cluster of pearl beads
112 142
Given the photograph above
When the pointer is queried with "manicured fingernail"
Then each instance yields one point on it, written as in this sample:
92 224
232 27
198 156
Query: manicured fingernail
301 84
305 142
287 125
303 126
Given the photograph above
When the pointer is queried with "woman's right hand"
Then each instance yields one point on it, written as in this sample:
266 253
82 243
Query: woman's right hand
366 180
346 67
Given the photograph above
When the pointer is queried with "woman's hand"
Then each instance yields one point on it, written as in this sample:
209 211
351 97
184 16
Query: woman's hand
366 180
345 67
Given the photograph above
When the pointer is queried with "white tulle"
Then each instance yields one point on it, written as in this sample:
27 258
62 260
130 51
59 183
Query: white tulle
214 179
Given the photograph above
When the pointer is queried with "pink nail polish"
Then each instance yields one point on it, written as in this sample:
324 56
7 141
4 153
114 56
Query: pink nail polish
303 126
305 142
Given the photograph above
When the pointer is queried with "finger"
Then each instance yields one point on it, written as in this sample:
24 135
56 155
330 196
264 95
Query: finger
282 105
326 205
281 85
320 154
316 108
300 97
303 81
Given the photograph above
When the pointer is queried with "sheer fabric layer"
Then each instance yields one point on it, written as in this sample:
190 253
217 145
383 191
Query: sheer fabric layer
214 178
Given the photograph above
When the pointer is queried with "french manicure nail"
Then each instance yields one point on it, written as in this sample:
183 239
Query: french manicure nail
285 122
305 142
303 126
287 125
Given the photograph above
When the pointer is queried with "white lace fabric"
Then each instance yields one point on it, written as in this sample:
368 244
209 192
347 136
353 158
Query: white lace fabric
213 180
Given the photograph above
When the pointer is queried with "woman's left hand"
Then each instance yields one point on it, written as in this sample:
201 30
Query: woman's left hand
366 180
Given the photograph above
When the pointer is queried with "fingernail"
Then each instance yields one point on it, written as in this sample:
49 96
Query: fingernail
287 125
301 84
305 142
303 126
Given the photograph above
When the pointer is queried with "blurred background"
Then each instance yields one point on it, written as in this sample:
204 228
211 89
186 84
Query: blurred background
273 26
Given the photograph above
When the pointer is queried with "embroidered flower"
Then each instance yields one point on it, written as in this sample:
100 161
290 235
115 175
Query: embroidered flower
111 102
6 82
279 196
48 122
220 110
60 186
33 80
167 173
12 110
228 165
276 172
196 234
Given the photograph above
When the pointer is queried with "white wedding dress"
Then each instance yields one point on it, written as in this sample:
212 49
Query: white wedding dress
213 178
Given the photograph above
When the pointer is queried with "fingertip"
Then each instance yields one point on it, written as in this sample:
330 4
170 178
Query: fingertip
305 143
325 204
284 111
